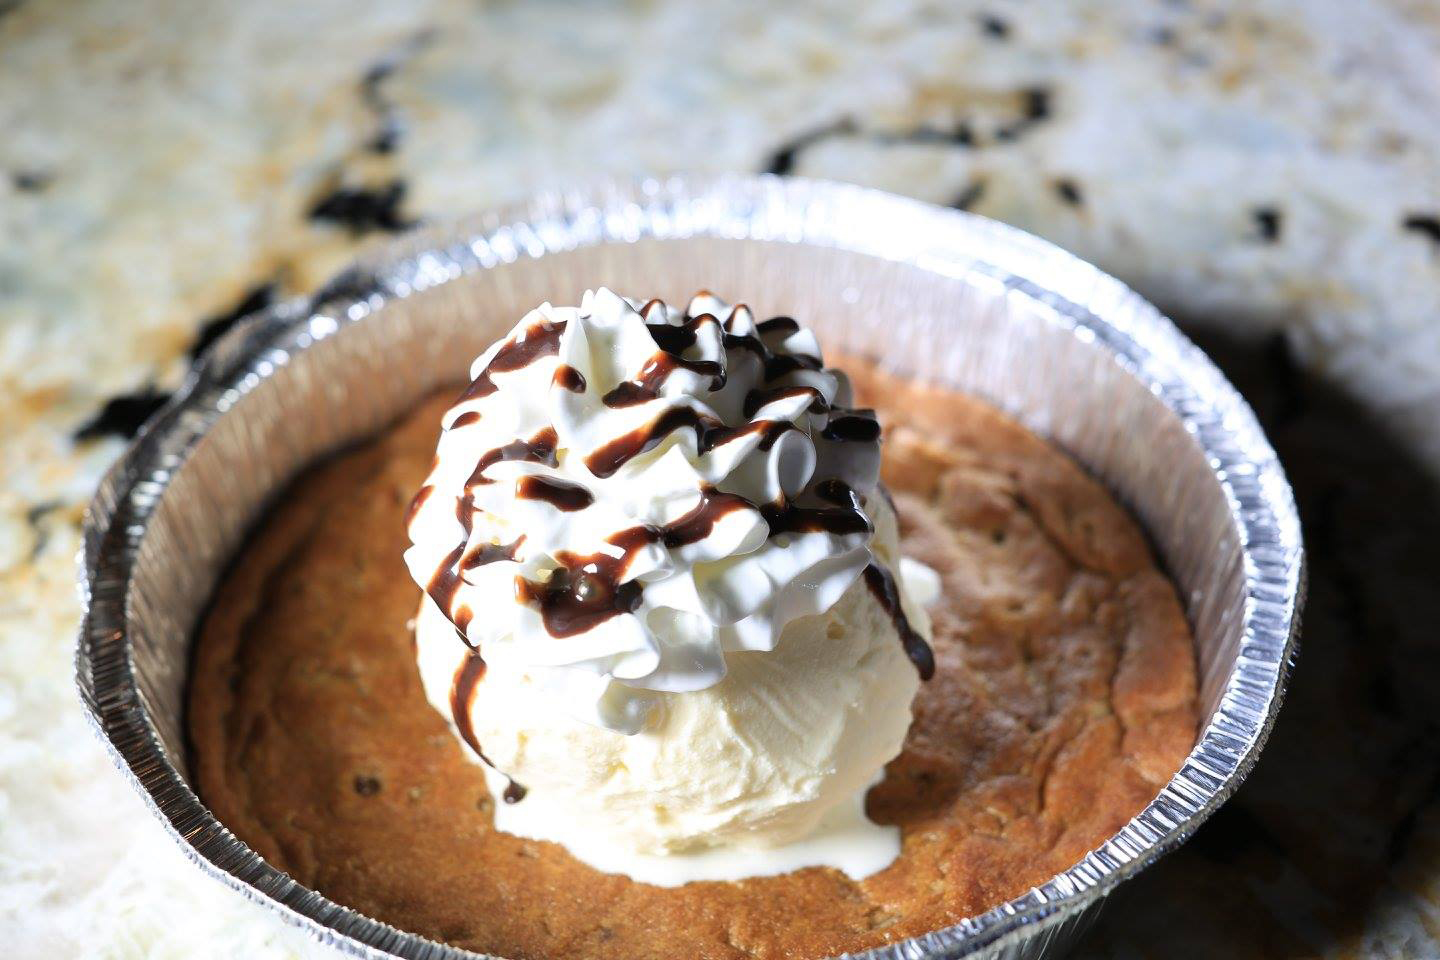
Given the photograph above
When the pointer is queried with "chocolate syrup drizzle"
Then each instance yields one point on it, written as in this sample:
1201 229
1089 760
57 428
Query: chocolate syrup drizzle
782 363
540 340
699 522
709 432
676 338
462 697
760 397
882 584
586 590
560 494
853 427
780 325
847 516
609 457
569 378
442 588
465 512
417 502
462 619
538 449
491 553
673 340
446 582
646 386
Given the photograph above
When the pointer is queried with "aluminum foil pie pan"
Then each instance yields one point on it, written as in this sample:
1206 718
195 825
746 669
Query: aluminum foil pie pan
936 294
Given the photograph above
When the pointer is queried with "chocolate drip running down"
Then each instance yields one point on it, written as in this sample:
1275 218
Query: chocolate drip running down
442 589
462 697
882 584
445 582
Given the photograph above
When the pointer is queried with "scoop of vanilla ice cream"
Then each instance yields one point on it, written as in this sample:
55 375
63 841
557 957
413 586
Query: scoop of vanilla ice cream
755 762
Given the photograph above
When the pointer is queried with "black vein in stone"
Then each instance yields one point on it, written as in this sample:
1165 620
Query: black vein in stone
372 93
959 135
1162 36
1425 224
37 511
213 328
364 209
1267 223
994 27
30 181
388 136
33 518
350 284
782 161
124 415
1034 108
969 196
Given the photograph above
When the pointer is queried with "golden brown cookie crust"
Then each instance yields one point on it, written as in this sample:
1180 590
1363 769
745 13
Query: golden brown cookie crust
1064 698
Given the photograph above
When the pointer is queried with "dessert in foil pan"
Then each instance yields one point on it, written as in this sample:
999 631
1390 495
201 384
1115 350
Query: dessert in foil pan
903 590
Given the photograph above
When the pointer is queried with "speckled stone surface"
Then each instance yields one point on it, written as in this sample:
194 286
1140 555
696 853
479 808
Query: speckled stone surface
1266 172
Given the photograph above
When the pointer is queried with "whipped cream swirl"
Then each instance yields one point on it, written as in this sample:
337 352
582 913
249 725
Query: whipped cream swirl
626 493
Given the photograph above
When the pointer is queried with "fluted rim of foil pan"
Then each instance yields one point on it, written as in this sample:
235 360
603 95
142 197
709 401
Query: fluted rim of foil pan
823 214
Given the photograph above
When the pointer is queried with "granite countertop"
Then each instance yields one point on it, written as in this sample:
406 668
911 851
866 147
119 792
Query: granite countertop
1266 172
